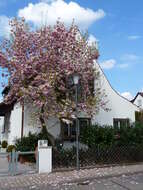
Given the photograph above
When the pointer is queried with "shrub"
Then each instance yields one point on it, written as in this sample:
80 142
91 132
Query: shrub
139 116
4 144
30 142
108 135
27 143
95 135
10 148
64 158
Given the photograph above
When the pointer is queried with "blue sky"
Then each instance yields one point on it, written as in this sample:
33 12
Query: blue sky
116 24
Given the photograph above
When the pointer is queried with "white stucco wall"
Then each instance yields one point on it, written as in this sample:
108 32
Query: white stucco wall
119 106
53 126
6 126
1 127
139 101
15 124
31 123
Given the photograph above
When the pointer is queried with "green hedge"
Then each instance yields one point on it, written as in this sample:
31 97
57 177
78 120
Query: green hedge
108 135
30 142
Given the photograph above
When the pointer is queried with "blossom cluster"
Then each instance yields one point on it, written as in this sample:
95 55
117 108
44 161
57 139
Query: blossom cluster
38 64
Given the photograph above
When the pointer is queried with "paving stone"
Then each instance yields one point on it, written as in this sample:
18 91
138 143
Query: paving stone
78 179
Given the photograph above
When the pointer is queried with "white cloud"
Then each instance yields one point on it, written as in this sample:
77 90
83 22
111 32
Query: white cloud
92 40
4 26
48 11
130 57
127 95
134 37
1 98
108 64
111 63
123 65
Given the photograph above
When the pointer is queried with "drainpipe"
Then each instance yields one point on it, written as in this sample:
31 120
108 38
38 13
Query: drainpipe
22 124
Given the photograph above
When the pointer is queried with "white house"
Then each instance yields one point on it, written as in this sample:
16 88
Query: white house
121 111
138 100
18 123
1 127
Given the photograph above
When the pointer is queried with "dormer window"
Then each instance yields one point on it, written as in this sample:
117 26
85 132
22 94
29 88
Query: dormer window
70 89
140 103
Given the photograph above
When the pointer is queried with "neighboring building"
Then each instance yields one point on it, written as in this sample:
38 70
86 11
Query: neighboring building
18 122
138 100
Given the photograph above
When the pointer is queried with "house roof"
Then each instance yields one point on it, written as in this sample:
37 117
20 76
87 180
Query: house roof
4 108
6 90
139 93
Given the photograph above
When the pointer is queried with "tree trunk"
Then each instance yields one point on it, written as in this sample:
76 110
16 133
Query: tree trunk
44 131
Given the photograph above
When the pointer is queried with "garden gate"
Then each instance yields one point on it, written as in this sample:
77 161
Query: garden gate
5 164
15 163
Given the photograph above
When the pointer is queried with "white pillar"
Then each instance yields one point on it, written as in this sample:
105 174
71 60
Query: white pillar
45 159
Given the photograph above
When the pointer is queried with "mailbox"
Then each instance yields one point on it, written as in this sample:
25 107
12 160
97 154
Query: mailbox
42 143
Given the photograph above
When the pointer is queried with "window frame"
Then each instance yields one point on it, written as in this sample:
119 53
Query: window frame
119 122
70 136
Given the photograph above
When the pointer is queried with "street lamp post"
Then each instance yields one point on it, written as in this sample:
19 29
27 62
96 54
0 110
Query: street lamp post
76 80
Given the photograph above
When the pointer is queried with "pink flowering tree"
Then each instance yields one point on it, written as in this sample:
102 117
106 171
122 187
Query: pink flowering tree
39 65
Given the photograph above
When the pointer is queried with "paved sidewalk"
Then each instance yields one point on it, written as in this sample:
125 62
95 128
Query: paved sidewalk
58 178
21 168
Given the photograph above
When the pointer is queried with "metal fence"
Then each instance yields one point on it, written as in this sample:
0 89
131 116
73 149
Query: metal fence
15 163
99 155
5 165
25 162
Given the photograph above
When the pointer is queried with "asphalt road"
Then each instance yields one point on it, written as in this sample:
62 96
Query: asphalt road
130 182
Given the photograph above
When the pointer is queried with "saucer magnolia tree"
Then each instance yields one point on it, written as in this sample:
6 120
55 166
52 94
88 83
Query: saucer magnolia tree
40 64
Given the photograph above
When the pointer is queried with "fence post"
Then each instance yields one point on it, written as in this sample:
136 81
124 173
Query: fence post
44 159
16 162
10 163
37 161
13 163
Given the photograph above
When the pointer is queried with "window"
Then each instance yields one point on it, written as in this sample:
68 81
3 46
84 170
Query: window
139 116
6 122
69 130
71 89
84 122
119 122
91 86
140 103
